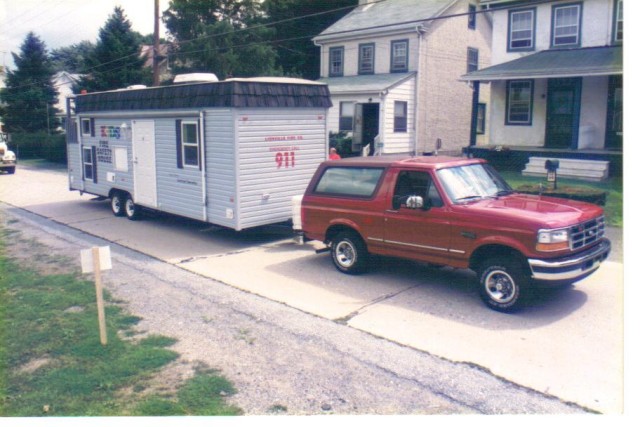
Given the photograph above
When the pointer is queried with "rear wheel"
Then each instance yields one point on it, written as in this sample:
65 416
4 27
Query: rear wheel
349 253
118 201
503 284
11 170
131 209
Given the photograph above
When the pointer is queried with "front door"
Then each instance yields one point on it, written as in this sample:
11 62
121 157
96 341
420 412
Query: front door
563 113
144 163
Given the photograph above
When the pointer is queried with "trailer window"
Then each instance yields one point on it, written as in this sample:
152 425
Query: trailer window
88 163
190 148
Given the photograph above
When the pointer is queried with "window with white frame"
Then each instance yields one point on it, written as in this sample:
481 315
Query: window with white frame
617 25
88 163
336 61
347 110
481 118
190 146
519 102
522 24
566 25
366 58
85 126
399 56
400 116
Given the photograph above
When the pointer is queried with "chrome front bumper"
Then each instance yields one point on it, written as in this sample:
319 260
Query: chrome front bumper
571 267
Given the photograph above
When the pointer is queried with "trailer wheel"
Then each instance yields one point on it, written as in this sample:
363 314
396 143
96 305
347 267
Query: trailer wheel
131 209
504 286
118 201
349 253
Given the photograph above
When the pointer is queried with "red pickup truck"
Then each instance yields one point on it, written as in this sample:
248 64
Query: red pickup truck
456 212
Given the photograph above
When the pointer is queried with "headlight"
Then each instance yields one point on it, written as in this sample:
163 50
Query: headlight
553 240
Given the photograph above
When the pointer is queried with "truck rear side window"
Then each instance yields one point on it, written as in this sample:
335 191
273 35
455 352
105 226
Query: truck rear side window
349 181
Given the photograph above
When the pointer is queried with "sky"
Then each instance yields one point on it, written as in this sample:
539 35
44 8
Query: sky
61 23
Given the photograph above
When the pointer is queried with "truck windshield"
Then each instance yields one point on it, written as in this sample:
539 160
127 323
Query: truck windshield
472 182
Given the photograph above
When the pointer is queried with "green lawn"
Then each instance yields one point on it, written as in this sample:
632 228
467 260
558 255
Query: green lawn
613 187
52 362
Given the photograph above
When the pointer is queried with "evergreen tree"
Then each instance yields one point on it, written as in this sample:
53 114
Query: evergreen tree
115 62
29 95
222 37
71 59
295 23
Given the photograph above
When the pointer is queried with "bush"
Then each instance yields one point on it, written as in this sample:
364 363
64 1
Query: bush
39 146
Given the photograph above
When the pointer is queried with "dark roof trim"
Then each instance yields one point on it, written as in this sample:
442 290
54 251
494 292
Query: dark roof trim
225 94
555 63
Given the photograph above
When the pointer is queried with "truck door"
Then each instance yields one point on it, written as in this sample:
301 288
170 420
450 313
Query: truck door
421 233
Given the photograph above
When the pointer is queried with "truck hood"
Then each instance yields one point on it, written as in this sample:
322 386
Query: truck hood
540 211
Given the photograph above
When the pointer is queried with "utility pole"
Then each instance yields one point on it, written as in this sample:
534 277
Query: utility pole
156 43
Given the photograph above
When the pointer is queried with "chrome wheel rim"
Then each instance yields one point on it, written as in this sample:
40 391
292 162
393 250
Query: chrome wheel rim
500 287
345 254
130 207
116 204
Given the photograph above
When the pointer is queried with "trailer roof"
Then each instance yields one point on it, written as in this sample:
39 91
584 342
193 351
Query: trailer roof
234 93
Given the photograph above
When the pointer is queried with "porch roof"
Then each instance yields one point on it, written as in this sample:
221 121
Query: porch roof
374 83
556 63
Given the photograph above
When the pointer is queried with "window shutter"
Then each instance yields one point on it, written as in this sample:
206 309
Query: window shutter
94 160
179 143
93 127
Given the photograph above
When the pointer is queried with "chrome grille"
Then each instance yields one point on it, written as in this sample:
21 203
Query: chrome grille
586 233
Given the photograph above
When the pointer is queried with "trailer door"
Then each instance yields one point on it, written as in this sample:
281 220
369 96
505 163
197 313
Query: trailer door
144 163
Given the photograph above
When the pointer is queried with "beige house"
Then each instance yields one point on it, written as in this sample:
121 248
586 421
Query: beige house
393 69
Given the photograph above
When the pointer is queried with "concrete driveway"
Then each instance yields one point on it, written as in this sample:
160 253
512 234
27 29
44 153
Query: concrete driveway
568 344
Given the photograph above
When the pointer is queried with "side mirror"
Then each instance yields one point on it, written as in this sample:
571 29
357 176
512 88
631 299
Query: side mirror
415 202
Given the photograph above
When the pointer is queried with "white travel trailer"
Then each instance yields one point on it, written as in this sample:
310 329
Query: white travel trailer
230 153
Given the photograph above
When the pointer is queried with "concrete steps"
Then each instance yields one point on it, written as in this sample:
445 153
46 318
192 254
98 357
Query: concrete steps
590 170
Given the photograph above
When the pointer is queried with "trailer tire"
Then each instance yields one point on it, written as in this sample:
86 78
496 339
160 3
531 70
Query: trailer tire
131 210
118 201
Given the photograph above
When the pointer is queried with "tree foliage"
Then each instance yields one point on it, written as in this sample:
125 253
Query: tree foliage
295 23
115 62
29 95
71 59
221 36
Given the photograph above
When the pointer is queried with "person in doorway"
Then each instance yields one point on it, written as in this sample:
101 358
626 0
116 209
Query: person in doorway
333 154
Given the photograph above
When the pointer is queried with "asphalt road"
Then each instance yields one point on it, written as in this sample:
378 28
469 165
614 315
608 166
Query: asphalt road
567 347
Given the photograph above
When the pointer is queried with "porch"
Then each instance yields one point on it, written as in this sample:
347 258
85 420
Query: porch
516 158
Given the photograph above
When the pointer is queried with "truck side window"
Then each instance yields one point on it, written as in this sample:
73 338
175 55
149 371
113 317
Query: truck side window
415 183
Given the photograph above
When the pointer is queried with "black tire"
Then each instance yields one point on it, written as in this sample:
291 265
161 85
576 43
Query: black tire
504 286
131 210
11 170
118 201
349 253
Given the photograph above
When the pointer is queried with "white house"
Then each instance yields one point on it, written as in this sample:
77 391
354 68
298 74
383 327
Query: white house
556 77
63 82
393 70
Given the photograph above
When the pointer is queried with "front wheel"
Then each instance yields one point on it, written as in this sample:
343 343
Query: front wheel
349 253
131 209
503 284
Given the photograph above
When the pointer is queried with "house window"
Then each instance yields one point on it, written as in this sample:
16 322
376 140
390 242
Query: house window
399 56
481 119
346 116
400 116
566 25
336 61
88 163
617 23
472 59
519 102
522 25
366 58
472 17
